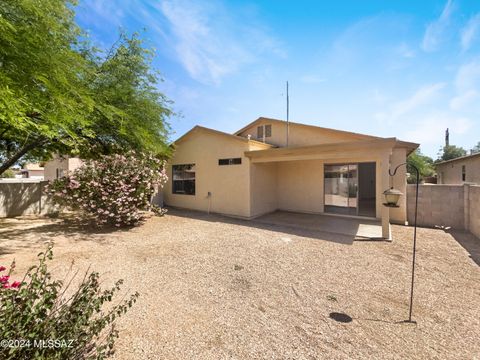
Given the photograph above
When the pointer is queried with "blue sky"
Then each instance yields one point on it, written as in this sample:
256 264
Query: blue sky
408 69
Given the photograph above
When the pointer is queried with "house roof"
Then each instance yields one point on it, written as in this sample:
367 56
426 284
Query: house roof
198 128
471 156
305 125
351 145
32 166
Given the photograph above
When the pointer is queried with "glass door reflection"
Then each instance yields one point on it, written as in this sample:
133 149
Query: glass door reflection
341 189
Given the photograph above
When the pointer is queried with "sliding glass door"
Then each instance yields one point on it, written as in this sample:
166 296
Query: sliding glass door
341 189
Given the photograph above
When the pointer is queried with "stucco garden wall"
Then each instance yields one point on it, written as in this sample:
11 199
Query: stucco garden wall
474 210
23 198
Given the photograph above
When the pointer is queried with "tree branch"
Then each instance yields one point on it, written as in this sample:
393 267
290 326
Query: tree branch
20 153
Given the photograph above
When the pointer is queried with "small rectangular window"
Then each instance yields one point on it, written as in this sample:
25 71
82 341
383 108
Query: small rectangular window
268 130
260 132
183 179
233 161
464 173
59 173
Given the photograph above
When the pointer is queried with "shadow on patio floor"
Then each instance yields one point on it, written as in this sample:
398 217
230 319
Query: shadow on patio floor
304 225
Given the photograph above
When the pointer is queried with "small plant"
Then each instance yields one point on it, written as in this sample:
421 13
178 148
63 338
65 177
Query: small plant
113 190
331 297
38 321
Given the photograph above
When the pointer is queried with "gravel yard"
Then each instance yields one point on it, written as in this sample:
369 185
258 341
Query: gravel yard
212 287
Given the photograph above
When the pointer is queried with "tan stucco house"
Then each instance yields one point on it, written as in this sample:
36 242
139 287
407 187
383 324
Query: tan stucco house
462 170
254 171
60 166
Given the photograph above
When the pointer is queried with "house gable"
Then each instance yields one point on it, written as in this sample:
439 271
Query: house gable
299 134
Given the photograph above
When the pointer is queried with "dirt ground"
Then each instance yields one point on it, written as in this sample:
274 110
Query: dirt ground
216 288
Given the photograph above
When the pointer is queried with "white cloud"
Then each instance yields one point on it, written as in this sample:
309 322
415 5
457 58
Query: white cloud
468 76
436 30
421 97
405 51
207 39
430 129
463 100
209 43
467 84
470 32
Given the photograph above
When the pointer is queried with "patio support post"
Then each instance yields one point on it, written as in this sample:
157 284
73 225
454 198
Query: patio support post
385 180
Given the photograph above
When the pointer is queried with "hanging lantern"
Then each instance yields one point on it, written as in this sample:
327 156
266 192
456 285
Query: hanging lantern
391 197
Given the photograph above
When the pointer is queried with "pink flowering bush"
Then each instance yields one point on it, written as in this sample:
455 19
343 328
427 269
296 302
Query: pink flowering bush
112 190
5 279
79 316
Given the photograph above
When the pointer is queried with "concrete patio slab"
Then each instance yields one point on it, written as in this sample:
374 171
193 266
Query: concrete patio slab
356 227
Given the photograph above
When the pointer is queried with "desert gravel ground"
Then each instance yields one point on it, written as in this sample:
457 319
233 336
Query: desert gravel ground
216 288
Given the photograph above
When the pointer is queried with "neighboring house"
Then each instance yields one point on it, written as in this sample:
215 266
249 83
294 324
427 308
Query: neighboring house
32 171
465 169
60 166
252 172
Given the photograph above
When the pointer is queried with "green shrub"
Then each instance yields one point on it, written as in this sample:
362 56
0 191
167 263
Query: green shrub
9 173
38 320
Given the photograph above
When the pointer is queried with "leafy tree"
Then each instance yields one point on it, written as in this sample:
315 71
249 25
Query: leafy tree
451 152
423 163
476 148
8 174
60 94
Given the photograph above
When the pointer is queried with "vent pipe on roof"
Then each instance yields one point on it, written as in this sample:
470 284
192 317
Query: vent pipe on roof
288 123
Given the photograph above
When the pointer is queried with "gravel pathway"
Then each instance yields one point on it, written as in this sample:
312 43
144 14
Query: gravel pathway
216 288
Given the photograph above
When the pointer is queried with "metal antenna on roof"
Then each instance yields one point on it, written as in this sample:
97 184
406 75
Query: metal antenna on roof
288 123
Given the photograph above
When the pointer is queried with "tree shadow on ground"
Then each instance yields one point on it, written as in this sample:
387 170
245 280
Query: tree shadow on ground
28 232
469 243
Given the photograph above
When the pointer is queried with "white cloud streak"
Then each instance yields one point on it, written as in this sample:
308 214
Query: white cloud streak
423 96
436 30
209 43
470 32
429 129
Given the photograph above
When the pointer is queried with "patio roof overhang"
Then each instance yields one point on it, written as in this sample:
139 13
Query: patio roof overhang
343 150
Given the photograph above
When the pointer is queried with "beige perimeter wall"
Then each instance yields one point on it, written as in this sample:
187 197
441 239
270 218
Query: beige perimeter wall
26 198
455 206
474 210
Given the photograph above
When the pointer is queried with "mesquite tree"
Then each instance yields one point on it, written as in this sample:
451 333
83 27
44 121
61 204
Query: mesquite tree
58 93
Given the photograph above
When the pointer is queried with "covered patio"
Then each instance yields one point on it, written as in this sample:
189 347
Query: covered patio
346 178
358 228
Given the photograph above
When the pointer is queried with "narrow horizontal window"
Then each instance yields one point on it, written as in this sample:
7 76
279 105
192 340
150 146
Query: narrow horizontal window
183 179
233 161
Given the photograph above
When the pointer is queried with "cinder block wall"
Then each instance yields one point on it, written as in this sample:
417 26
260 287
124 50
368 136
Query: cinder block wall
438 205
25 198
455 206
474 210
